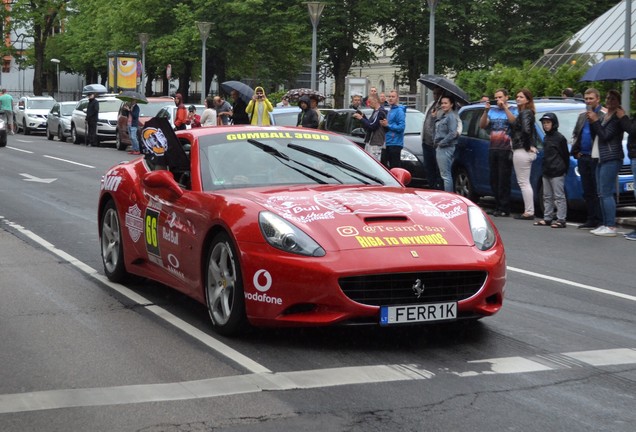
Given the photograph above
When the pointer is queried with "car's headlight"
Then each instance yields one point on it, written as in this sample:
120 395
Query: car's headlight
406 155
284 236
481 229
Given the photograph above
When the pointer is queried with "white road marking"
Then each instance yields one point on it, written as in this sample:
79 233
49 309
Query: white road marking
608 357
230 353
32 178
296 380
506 365
261 378
574 284
20 150
69 161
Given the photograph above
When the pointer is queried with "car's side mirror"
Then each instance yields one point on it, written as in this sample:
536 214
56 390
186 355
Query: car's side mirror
162 179
402 175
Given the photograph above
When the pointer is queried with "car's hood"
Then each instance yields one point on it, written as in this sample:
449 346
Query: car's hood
41 112
354 218
109 115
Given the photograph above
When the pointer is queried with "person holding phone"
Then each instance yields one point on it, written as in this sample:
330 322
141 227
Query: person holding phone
259 108
495 119
583 138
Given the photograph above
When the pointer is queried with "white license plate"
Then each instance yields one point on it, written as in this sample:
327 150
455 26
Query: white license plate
629 186
406 314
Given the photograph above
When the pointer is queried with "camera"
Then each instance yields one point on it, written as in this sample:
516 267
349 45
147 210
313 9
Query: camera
359 112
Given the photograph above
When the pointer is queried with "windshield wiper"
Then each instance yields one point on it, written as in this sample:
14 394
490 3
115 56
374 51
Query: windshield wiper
280 155
337 162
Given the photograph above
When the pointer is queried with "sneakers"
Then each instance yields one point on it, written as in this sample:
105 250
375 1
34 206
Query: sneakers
596 229
604 231
631 235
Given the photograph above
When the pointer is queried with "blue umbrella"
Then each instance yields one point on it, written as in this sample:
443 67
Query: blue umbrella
618 69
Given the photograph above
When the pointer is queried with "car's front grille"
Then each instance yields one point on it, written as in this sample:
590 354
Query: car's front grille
625 170
403 288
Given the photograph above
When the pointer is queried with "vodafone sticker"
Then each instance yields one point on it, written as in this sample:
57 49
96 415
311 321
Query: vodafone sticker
262 280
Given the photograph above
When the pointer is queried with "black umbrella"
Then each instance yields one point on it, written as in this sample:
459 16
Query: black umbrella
618 69
433 81
245 92
131 95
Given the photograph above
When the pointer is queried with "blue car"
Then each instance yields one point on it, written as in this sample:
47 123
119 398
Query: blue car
471 174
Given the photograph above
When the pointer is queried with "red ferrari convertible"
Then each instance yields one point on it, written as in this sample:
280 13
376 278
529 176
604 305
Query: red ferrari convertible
275 226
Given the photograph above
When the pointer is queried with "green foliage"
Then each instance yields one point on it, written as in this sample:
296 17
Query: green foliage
269 41
540 81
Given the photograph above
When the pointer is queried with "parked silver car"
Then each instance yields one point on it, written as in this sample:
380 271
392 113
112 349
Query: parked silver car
106 122
30 113
58 120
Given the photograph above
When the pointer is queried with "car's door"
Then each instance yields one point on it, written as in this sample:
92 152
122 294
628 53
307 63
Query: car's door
169 232
472 151
53 118
79 118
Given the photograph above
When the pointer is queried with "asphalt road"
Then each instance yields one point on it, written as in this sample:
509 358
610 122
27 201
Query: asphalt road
80 353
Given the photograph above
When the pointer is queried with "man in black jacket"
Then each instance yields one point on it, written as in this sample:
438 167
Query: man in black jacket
92 114
583 143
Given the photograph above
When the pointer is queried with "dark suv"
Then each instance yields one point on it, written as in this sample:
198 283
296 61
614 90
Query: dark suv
471 174
341 121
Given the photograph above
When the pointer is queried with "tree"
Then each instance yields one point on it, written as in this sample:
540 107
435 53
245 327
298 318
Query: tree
478 34
37 21
344 37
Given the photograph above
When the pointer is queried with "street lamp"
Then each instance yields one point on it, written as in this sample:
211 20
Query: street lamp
57 66
315 10
432 4
204 31
143 40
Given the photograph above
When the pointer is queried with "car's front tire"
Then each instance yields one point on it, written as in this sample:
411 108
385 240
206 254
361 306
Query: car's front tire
3 139
112 246
463 186
25 129
120 145
60 134
224 287
49 135
75 136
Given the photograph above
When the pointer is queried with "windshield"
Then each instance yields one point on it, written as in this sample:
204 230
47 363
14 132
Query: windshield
67 109
151 108
109 106
285 119
46 104
414 122
567 121
229 160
